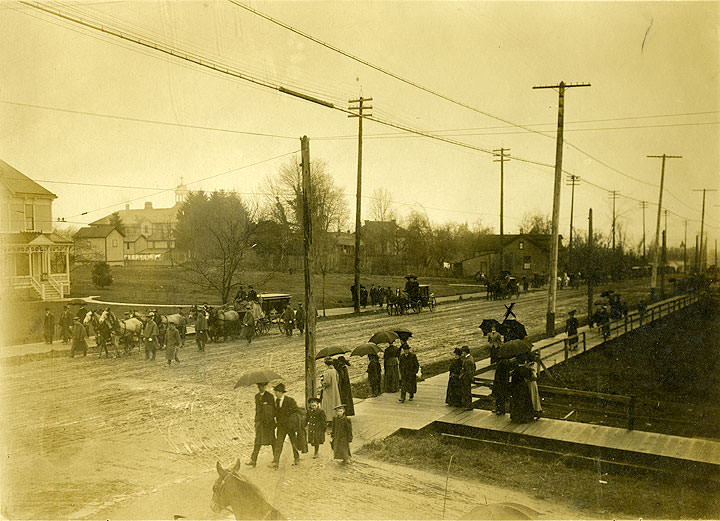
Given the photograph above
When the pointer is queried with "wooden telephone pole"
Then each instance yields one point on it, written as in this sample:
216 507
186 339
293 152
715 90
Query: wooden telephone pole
552 283
613 194
572 180
590 271
501 153
703 241
308 258
643 205
358 194
656 251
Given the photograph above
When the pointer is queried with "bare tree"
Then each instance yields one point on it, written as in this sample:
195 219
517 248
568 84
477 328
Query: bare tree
536 223
381 205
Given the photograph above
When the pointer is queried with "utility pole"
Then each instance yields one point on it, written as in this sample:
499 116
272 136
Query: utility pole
663 260
613 194
308 257
656 251
590 271
572 180
702 228
501 153
696 260
552 283
358 193
643 205
716 253
685 250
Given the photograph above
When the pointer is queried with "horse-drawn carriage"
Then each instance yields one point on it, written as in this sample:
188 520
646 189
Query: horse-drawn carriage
502 288
272 306
424 299
402 302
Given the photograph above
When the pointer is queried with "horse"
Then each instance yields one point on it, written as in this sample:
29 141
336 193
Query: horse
130 333
246 500
223 323
179 320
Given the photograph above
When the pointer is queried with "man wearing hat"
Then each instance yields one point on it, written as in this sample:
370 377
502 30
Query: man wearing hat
409 367
79 336
571 327
466 378
286 413
248 323
150 334
201 326
264 422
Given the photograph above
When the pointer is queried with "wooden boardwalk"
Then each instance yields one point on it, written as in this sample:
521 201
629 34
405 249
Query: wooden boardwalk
377 418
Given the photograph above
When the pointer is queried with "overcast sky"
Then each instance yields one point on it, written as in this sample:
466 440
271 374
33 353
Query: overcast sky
653 69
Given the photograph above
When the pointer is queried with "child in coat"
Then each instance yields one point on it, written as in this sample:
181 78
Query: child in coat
341 434
316 425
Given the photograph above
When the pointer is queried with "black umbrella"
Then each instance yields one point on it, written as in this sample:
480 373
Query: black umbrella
607 293
403 332
512 329
77 302
330 351
411 276
514 348
384 337
366 349
488 324
257 377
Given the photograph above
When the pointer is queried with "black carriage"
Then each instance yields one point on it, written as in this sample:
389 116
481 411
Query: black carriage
424 299
273 305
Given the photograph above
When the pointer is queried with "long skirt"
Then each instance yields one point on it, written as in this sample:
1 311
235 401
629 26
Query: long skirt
392 376
521 407
534 396
453 395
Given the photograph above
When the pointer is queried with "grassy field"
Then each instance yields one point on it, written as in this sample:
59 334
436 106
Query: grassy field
591 492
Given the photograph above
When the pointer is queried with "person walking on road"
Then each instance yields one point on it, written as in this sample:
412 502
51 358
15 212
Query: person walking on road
409 367
172 343
571 327
150 333
316 425
300 318
249 323
66 324
286 411
79 338
374 374
344 387
392 369
341 435
48 326
453 395
466 378
288 317
264 422
201 326
330 391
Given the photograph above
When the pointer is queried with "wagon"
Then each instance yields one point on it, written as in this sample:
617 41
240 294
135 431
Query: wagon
272 304
426 299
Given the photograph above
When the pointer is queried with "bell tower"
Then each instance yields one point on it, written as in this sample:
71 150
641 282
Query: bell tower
181 192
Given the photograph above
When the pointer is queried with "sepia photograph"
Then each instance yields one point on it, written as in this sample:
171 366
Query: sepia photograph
359 260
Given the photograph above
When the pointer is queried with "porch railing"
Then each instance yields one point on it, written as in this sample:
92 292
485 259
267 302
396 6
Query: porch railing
38 286
56 284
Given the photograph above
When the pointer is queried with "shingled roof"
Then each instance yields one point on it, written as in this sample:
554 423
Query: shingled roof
18 183
99 231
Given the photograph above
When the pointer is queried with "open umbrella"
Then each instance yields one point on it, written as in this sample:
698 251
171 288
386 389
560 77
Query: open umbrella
514 348
512 329
77 302
403 332
330 351
256 377
366 349
410 276
384 337
501 511
488 324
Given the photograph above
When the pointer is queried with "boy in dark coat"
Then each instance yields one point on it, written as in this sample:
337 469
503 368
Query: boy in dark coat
409 367
264 421
374 374
344 385
316 425
341 435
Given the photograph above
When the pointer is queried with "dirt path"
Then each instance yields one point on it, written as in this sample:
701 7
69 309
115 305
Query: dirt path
85 432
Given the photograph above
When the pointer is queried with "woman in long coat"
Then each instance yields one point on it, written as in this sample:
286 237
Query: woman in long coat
409 367
392 369
521 407
330 392
344 385
374 374
453 396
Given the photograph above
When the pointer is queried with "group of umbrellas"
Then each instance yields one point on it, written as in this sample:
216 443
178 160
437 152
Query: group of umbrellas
371 347
514 334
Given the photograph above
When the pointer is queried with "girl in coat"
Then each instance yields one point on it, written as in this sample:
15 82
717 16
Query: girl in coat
341 435
374 374
392 369
316 425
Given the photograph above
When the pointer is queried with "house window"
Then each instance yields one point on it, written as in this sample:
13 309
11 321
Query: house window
521 245
127 245
29 217
146 229
114 243
526 263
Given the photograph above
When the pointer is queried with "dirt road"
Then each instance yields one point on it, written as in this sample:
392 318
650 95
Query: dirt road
84 435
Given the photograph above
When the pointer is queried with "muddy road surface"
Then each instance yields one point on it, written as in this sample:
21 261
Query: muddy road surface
89 437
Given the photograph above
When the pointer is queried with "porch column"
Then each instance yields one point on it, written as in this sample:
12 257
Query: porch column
67 263
30 272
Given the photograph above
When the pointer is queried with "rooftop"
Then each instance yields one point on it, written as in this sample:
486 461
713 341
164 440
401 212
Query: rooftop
18 183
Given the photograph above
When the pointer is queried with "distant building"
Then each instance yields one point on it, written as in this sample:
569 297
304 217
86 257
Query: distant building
525 255
99 243
149 233
32 255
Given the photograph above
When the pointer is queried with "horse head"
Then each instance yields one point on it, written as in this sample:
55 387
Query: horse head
231 490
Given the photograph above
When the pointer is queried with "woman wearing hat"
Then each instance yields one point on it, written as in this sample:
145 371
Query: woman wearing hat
344 385
392 368
330 392
453 395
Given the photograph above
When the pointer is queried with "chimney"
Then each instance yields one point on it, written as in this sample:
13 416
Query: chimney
127 206
148 205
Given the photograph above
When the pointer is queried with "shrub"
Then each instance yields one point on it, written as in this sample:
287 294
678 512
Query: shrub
101 275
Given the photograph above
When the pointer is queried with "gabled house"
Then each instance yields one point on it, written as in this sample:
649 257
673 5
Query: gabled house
32 255
100 243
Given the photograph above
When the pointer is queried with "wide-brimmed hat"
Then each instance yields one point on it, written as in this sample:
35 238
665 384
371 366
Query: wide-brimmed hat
280 387
465 349
572 311
341 406
313 400
457 351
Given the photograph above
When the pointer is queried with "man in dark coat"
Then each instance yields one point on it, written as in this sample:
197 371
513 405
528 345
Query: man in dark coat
201 326
48 326
374 374
409 366
571 327
466 378
248 323
288 317
286 412
300 318
66 324
264 421
344 387
79 338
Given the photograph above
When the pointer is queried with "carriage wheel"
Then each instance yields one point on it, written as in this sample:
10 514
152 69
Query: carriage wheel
281 327
432 303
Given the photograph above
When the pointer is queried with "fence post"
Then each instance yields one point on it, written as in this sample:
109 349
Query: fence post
626 323
631 413
565 345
